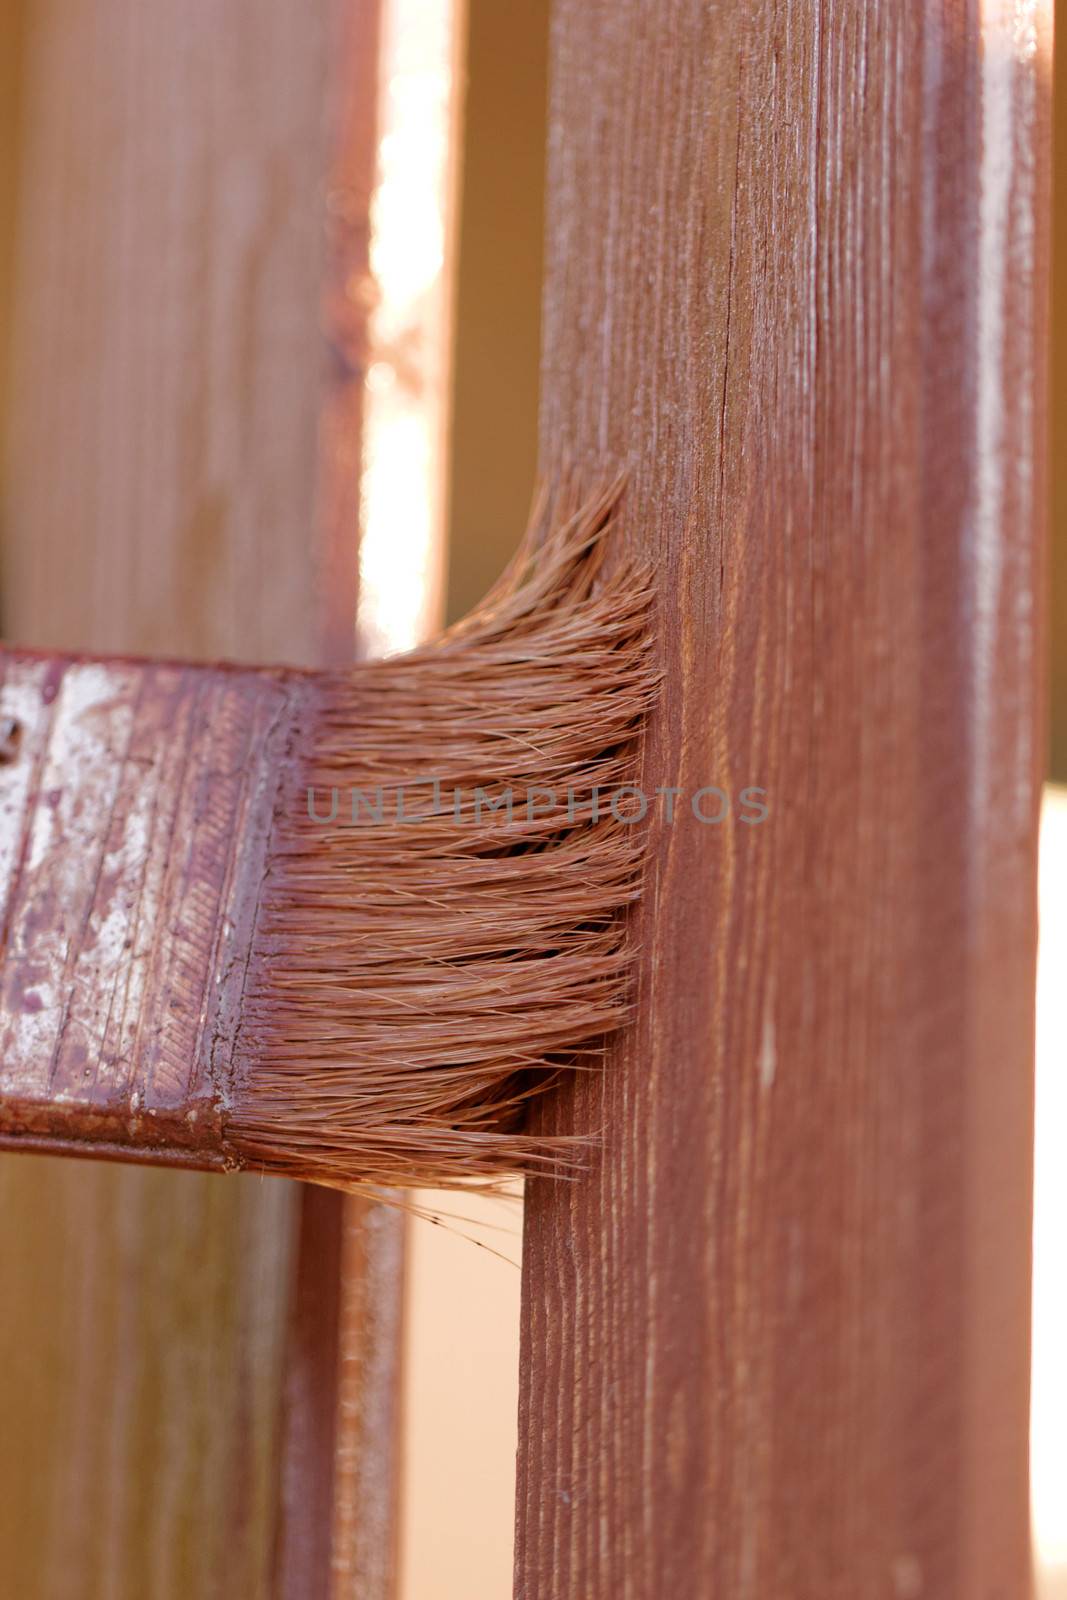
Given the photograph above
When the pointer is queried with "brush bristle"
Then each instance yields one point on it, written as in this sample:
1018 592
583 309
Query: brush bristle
414 982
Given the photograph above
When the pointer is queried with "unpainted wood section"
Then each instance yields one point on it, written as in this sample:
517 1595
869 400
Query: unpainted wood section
167 357
501 224
163 461
776 1342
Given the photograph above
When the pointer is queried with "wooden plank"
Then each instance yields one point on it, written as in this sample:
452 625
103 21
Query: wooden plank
170 1344
498 299
1058 427
340 1469
777 1342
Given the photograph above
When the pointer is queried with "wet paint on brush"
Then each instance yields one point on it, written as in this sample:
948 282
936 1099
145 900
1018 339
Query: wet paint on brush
197 971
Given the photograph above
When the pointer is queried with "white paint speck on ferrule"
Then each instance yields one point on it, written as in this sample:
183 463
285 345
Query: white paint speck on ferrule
78 775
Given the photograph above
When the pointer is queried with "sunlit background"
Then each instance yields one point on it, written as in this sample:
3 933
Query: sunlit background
407 404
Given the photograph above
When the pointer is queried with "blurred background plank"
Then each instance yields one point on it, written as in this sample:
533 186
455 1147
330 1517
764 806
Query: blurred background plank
189 185
777 1342
498 293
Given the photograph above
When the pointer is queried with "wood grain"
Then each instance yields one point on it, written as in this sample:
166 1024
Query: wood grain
178 479
776 1343
137 820
1058 425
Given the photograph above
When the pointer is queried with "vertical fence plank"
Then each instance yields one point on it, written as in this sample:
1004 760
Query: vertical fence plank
185 384
776 1342
1058 425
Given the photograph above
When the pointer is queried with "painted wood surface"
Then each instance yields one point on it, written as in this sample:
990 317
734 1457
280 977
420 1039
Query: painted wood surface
776 1342
135 827
1058 424
191 205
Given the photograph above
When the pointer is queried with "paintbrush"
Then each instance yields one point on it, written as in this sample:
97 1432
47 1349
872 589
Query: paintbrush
337 925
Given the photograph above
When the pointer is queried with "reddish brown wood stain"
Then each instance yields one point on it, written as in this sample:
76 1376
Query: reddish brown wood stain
777 1343
137 818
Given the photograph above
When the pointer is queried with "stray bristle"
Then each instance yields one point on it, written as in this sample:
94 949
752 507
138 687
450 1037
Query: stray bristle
418 973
